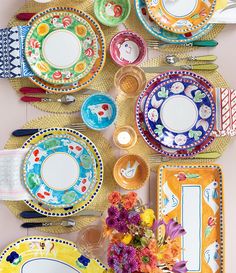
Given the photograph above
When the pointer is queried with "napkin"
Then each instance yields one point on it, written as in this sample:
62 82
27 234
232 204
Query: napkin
11 182
13 63
225 12
225 112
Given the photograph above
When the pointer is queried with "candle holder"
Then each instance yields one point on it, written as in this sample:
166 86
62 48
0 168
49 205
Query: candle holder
125 137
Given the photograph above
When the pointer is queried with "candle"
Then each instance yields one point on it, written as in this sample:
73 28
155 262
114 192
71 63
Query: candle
124 138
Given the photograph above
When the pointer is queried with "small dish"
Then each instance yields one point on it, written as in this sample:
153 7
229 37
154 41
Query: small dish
127 48
112 13
125 137
131 172
99 111
130 80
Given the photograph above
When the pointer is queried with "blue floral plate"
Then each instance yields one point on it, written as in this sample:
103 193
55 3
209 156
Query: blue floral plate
180 113
162 34
99 111
60 171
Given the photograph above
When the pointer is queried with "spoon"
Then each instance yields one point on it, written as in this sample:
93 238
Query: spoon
64 223
173 59
66 99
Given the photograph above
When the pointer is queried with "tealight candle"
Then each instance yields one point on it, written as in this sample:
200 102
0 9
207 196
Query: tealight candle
125 137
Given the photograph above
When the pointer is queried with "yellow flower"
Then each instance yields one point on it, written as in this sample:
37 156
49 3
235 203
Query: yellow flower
127 239
147 217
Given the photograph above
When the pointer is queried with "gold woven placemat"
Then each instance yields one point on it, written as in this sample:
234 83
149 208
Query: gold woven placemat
127 117
104 82
100 202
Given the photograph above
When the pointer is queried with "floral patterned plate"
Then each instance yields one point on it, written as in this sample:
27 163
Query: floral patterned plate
61 47
67 211
179 17
60 171
193 195
180 113
152 142
96 69
153 28
46 254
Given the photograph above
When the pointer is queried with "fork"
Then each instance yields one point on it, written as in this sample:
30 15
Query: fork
156 44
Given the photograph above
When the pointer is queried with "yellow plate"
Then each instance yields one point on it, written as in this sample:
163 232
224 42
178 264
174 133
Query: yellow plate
193 195
46 254
60 212
180 16
99 63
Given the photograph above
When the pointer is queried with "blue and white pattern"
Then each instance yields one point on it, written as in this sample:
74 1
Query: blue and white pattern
12 57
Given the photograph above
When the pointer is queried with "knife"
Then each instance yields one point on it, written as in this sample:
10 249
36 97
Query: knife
35 214
164 68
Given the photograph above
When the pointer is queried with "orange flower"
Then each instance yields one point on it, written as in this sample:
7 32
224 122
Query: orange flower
114 198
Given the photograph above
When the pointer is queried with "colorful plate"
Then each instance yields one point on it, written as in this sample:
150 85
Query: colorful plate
99 111
112 13
180 113
152 143
64 212
60 171
153 28
46 254
193 196
55 34
127 48
100 61
176 16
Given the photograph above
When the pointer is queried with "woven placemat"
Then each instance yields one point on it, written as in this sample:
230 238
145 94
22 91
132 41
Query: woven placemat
127 117
104 82
106 150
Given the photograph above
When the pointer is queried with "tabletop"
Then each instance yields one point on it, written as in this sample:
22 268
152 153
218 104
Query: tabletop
14 114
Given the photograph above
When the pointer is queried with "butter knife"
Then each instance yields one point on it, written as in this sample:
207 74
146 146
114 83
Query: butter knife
164 68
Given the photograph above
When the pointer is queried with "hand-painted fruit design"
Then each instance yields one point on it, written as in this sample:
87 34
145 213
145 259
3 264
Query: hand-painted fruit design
102 110
129 51
177 88
113 10
82 262
69 197
58 23
205 112
84 185
80 67
180 139
153 115
57 75
89 52
81 30
43 29
46 195
43 67
86 161
33 180
14 258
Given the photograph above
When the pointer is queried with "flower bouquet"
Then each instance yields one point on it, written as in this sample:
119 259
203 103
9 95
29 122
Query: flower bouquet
134 247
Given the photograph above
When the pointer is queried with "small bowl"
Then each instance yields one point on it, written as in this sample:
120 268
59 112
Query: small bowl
111 13
125 137
130 80
99 111
131 172
127 48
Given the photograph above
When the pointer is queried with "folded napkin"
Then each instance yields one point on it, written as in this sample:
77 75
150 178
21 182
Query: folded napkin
12 57
11 183
225 112
225 12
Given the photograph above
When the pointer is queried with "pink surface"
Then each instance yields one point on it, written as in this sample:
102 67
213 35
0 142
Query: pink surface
15 113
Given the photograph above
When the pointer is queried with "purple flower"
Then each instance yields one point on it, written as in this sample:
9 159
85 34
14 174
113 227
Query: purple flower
111 222
113 212
123 215
122 227
134 218
180 267
174 230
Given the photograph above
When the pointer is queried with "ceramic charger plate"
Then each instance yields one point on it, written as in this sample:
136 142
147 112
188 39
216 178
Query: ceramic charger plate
140 122
181 17
96 69
67 211
162 34
47 255
61 47
60 171
180 113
